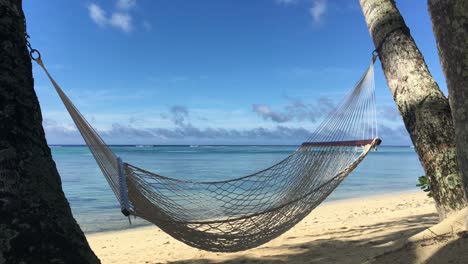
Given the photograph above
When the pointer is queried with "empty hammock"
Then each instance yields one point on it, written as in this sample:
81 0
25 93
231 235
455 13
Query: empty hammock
245 212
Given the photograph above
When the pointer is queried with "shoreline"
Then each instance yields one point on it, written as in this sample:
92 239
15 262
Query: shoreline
349 230
338 200
375 195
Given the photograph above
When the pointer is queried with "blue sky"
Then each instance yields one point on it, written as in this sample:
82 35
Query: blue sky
209 72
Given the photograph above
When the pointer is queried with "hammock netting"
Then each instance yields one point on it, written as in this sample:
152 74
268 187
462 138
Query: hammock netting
242 213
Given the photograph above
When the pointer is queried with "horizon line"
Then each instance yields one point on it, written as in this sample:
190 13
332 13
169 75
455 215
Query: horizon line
195 145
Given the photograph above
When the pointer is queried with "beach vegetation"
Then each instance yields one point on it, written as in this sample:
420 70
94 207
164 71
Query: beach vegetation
424 185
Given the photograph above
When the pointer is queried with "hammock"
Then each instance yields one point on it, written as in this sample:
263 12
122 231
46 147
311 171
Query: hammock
242 213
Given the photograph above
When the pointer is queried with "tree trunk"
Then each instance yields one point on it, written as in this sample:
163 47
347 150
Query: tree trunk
36 223
424 108
450 24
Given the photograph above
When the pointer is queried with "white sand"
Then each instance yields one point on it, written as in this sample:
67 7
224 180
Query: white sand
348 231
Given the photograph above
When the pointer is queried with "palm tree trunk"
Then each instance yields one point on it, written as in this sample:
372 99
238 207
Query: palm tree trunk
424 108
450 25
36 223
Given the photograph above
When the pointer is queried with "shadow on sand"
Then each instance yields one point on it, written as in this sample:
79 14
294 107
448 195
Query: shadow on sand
443 249
454 252
341 249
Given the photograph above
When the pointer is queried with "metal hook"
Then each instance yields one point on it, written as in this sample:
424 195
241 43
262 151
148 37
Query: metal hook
375 53
33 57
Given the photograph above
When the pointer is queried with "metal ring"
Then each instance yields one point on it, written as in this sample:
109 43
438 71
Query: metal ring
35 51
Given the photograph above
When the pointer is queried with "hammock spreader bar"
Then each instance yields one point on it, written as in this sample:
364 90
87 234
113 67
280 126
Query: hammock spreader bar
348 143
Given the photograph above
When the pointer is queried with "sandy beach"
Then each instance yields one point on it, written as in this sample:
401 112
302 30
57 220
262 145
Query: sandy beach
345 231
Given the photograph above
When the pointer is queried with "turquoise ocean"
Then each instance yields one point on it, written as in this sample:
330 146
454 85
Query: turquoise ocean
94 206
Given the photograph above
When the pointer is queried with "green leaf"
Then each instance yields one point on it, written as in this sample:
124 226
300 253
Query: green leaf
424 185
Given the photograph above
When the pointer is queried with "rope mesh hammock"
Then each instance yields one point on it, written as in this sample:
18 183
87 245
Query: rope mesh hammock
245 212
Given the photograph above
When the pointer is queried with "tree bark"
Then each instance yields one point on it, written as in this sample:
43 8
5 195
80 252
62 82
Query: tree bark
450 25
424 108
36 223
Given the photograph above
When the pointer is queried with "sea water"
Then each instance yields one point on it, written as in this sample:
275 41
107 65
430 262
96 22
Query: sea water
390 169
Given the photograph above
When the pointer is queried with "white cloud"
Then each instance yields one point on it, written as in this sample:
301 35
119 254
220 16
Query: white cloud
286 2
318 10
296 109
266 113
121 133
97 14
125 4
121 21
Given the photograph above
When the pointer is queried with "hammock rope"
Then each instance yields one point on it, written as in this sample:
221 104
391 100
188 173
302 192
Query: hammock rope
242 213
